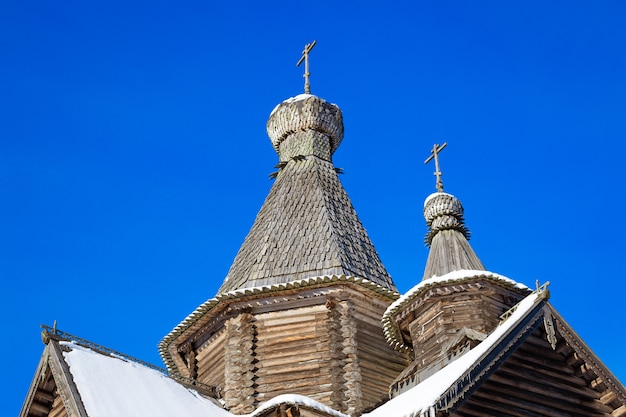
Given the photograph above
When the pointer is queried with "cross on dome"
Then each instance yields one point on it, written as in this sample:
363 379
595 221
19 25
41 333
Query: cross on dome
305 57
434 154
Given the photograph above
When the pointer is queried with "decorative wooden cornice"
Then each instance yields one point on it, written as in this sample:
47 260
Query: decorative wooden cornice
455 281
581 348
65 383
208 310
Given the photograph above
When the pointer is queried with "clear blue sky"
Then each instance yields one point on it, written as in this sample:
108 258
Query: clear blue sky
133 152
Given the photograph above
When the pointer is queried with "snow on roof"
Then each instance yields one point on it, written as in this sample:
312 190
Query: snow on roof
110 386
298 98
421 399
462 274
263 289
433 195
389 327
293 99
299 400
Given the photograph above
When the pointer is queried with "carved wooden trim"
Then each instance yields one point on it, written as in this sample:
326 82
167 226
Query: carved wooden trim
211 308
65 382
191 360
584 352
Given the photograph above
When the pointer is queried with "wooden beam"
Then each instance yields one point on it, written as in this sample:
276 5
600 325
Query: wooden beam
619 412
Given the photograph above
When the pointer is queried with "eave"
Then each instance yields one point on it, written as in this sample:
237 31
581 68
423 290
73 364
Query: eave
212 307
390 328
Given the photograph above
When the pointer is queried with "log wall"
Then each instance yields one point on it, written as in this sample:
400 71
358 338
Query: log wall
210 357
379 363
326 344
476 306
293 352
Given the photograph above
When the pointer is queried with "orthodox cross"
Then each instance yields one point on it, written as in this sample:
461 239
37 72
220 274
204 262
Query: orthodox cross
305 57
434 154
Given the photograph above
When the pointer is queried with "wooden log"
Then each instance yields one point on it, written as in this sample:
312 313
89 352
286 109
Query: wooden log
58 409
294 360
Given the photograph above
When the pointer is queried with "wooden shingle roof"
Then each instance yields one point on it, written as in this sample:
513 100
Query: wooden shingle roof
307 226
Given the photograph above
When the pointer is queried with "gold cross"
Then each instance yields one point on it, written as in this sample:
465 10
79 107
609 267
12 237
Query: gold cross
305 57
435 154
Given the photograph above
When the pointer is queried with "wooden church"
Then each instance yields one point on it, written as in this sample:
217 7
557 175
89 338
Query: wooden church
309 323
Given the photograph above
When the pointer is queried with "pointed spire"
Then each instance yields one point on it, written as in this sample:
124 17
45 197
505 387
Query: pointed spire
447 235
307 226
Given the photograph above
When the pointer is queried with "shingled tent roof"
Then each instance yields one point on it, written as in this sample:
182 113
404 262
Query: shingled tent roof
307 226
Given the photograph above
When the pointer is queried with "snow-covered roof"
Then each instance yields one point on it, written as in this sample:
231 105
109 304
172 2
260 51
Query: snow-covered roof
421 400
437 194
389 327
293 99
110 386
299 97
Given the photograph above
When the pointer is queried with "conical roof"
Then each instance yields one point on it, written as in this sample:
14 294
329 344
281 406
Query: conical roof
447 237
307 226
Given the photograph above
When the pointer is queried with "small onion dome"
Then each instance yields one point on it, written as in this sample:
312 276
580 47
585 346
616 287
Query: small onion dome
443 211
305 112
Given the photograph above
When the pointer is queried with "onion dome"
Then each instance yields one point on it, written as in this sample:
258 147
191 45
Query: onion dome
443 211
293 121
447 237
307 226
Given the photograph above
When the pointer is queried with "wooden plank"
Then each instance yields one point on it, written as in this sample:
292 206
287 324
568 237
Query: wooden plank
58 409
291 385
546 395
539 366
619 412
295 360
270 377
315 365
542 405
291 346
274 339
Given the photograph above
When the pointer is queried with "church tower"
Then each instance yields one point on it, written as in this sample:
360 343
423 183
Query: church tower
299 313
300 308
457 303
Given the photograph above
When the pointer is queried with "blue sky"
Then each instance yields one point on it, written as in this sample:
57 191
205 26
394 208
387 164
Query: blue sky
133 152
